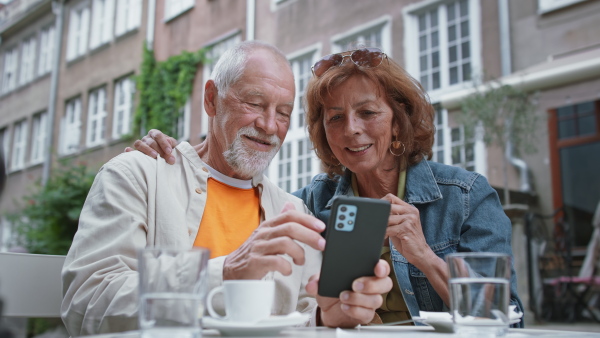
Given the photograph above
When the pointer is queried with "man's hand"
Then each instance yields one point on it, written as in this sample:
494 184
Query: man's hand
357 306
156 143
261 253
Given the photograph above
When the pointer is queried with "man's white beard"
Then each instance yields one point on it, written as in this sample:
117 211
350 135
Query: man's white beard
248 162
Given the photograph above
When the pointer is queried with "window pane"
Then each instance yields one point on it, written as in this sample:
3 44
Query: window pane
585 108
423 63
423 43
587 125
434 19
435 60
466 71
464 8
566 129
440 156
464 29
565 111
453 75
435 40
424 82
465 50
436 80
440 137
451 33
452 54
456 155
422 22
451 13
470 152
455 134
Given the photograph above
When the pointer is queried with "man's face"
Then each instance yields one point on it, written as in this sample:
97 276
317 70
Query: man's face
254 116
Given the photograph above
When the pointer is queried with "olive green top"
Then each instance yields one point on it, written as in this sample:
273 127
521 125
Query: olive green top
394 307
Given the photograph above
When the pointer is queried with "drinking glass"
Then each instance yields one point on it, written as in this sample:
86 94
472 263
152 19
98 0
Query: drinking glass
173 284
480 293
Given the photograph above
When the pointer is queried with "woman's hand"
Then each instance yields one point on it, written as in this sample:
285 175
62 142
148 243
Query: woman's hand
156 143
405 231
353 307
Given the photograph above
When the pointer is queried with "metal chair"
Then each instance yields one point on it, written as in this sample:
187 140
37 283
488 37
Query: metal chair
31 285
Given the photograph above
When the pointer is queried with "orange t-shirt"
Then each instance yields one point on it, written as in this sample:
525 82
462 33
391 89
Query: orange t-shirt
230 216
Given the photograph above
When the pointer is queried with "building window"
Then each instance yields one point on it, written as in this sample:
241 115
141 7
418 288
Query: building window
284 179
305 163
71 127
19 145
374 34
103 12
301 67
4 143
212 56
38 137
123 107
182 127
9 77
445 35
46 50
176 7
576 120
79 23
96 120
129 13
451 146
27 60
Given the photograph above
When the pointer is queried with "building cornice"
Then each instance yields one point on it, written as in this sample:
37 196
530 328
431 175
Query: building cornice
23 17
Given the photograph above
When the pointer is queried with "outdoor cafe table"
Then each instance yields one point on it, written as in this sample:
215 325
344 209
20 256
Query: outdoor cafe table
381 332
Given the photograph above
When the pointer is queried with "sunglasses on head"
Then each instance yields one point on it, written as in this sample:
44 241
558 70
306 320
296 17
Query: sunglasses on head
364 57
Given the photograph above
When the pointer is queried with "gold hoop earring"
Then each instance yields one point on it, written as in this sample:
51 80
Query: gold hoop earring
396 145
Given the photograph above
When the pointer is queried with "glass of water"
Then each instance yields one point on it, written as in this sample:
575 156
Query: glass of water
173 285
480 293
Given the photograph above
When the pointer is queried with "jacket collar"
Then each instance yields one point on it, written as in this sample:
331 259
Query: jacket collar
421 186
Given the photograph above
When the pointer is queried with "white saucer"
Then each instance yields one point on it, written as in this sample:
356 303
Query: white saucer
267 327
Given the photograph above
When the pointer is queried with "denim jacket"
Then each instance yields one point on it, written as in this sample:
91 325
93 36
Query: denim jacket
459 211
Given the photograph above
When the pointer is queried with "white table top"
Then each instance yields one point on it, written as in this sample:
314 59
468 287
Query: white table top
380 332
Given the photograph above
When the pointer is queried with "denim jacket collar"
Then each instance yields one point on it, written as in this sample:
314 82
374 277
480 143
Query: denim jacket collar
421 186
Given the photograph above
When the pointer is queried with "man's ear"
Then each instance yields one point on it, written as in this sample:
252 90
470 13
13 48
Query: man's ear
210 98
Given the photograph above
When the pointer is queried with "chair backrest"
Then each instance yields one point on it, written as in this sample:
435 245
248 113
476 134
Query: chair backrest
31 285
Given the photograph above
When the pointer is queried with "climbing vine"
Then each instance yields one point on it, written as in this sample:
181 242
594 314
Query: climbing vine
164 87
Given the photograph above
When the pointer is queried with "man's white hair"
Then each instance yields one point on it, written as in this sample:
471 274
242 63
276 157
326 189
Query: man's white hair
232 63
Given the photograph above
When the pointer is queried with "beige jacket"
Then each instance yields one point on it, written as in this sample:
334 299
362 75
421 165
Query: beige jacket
136 202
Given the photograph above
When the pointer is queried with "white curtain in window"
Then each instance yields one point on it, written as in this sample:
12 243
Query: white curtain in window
71 127
129 14
27 60
46 50
9 77
96 117
102 22
19 144
38 138
122 107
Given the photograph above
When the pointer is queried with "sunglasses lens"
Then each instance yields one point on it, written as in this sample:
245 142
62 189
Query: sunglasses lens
326 62
367 57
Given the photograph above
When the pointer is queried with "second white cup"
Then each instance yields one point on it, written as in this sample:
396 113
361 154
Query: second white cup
246 301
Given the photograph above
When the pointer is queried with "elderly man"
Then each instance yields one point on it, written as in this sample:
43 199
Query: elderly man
214 196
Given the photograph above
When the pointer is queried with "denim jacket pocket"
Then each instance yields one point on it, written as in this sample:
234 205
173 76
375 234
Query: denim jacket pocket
427 297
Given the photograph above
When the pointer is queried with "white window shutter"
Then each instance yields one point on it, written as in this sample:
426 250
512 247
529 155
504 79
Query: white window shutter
135 14
122 6
109 13
71 47
85 28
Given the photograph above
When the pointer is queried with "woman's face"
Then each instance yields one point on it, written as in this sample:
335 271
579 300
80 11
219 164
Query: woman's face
358 125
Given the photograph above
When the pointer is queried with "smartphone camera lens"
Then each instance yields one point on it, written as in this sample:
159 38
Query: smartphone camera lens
342 217
350 222
351 214
340 225
343 208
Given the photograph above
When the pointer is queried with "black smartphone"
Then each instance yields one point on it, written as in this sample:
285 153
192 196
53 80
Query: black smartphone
355 234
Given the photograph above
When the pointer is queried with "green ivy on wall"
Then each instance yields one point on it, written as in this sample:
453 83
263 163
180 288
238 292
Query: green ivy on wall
164 88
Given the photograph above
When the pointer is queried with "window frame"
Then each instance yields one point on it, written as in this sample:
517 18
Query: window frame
96 112
11 54
46 50
71 131
102 24
411 39
126 107
19 146
128 17
28 53
39 131
78 40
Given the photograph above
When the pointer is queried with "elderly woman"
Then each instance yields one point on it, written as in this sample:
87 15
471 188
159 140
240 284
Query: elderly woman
371 125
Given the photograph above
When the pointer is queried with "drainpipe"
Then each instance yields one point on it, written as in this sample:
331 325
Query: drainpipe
58 10
150 24
250 19
505 54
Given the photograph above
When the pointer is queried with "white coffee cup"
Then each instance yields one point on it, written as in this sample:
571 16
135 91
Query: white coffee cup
246 301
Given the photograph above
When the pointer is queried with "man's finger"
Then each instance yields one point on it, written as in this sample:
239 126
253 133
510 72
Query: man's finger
370 301
281 246
128 149
298 232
